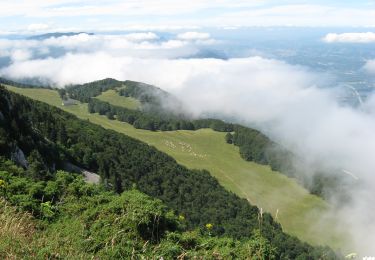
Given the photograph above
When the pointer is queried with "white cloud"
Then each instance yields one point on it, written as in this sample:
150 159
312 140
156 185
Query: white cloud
153 27
83 67
141 36
9 47
145 44
193 36
45 8
297 15
200 38
35 27
366 37
370 66
90 14
20 55
82 40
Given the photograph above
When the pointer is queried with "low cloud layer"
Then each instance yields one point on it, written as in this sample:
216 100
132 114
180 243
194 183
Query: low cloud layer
145 44
283 100
193 36
367 37
370 66
36 27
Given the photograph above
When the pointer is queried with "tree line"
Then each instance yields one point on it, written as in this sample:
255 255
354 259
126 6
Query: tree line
154 121
86 91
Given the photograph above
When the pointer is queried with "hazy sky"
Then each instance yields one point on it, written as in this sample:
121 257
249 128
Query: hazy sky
52 15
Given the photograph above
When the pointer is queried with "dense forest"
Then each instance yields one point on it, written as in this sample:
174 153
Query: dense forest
150 96
146 94
154 121
48 137
86 91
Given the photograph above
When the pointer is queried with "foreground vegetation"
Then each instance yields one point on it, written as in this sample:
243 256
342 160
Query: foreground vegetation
66 218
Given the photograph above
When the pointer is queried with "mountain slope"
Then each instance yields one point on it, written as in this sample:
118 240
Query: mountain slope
297 209
123 162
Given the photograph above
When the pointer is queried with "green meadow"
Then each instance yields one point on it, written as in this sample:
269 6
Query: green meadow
299 212
114 98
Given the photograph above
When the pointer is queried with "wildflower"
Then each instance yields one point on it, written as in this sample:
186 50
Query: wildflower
2 183
209 226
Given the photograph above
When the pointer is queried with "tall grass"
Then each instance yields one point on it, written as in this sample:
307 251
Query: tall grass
16 232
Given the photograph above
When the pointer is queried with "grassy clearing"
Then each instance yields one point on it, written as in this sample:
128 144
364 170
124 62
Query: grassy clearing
298 211
114 98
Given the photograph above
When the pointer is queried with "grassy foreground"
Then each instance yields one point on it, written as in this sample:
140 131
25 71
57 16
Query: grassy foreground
298 211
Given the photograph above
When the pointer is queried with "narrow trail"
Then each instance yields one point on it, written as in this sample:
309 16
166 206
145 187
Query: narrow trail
238 186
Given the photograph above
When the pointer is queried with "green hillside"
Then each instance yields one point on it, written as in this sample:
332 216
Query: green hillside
290 204
86 218
114 98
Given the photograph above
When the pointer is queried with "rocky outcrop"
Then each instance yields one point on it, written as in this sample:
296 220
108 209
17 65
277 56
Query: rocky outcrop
18 157
90 177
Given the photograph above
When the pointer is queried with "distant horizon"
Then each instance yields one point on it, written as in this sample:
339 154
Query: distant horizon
167 29
84 15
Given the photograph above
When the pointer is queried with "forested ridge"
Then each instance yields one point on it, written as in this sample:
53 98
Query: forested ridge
86 91
124 163
20 85
254 145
